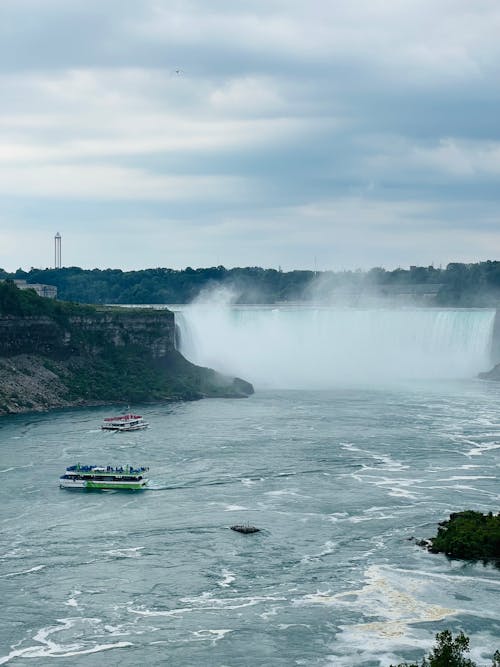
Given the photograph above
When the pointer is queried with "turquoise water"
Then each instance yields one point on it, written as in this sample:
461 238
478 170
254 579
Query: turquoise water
338 481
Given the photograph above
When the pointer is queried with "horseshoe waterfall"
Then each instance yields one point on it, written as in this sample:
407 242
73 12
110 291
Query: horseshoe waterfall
315 347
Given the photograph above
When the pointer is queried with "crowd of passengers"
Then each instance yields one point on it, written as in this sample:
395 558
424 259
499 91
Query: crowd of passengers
110 469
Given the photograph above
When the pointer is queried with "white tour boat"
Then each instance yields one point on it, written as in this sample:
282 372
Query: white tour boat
104 477
128 422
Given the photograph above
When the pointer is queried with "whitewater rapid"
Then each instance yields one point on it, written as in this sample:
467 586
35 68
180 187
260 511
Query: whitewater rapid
314 348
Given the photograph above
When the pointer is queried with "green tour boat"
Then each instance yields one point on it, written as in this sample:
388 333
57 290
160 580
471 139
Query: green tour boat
104 477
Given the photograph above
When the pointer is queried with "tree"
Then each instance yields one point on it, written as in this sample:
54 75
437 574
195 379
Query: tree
450 652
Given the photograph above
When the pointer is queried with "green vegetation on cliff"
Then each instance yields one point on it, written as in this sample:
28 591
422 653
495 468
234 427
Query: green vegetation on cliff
26 303
55 354
470 535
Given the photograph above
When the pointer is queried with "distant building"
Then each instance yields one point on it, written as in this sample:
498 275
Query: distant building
48 291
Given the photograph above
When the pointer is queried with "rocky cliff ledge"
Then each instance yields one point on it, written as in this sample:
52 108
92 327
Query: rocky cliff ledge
71 355
493 374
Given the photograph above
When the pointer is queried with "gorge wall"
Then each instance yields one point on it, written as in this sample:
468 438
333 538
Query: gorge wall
62 337
99 356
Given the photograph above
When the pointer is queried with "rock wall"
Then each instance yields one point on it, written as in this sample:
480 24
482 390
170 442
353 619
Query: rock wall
110 355
152 330
494 373
495 342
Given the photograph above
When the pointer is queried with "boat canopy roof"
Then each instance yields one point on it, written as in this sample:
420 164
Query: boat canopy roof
122 418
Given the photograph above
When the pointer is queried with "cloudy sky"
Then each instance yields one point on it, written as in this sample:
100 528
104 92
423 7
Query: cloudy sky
339 134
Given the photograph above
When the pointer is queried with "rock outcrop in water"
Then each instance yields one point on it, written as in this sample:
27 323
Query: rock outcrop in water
468 535
54 354
493 374
245 528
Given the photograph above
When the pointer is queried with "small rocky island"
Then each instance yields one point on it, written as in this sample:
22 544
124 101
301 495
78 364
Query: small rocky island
468 535
60 354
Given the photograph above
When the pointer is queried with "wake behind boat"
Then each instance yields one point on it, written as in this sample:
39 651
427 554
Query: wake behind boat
128 422
103 477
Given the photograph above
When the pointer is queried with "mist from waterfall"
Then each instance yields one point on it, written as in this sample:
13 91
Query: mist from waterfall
319 347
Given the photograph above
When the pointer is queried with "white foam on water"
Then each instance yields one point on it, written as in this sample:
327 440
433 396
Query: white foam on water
393 597
401 487
130 552
235 508
457 478
380 650
28 465
212 636
350 447
271 612
380 511
48 648
206 601
388 463
282 492
287 626
248 482
37 568
115 630
452 578
228 578
461 488
328 548
72 601
358 518
336 516
404 493
392 600
16 553
479 449
160 612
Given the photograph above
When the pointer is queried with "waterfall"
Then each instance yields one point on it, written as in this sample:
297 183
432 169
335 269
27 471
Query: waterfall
314 347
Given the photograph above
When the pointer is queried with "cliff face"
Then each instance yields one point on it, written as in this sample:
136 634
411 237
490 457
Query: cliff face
58 337
98 357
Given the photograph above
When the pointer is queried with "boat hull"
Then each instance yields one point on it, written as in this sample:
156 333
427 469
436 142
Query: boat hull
138 485
137 427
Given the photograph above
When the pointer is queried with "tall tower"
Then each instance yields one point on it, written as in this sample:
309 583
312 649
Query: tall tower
57 251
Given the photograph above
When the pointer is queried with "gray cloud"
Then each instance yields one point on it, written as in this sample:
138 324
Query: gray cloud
358 133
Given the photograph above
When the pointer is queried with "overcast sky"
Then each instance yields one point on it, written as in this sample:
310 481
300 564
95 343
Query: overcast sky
339 134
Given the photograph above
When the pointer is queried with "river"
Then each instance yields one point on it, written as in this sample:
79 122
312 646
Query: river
368 427
339 480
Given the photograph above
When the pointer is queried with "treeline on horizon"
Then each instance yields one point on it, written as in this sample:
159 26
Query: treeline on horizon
462 285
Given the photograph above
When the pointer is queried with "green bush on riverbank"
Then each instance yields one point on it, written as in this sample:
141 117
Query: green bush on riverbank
469 535
449 652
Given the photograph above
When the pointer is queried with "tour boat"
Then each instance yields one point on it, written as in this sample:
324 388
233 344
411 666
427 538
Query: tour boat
128 422
103 477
